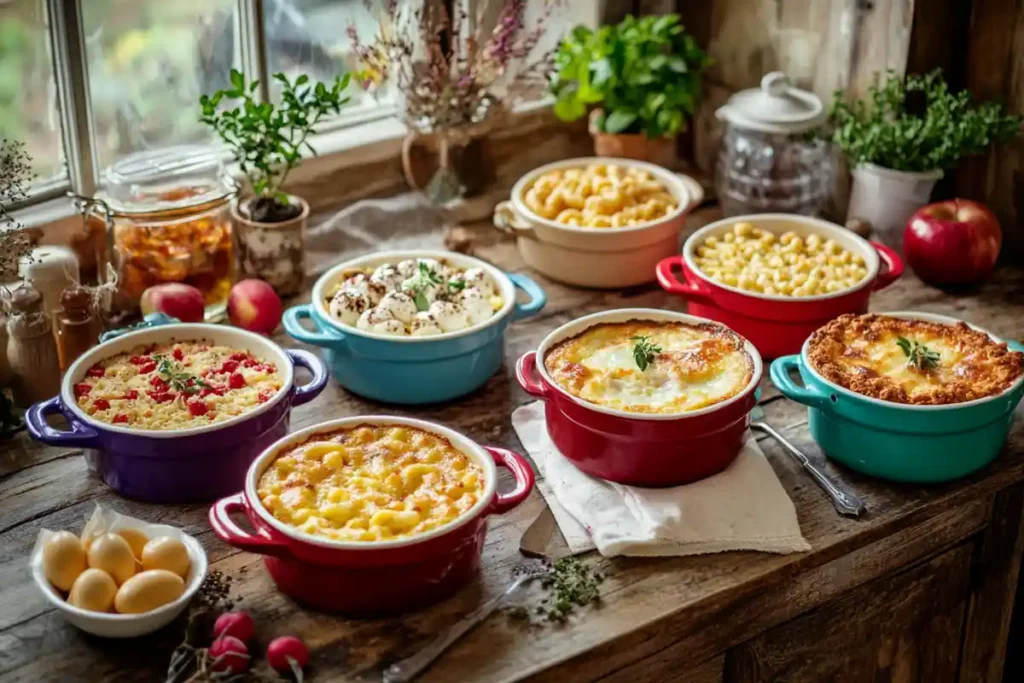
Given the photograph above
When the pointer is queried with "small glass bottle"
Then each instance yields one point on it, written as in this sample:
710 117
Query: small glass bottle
78 325
31 349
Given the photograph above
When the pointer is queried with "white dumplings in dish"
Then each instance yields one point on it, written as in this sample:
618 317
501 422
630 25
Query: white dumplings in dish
419 297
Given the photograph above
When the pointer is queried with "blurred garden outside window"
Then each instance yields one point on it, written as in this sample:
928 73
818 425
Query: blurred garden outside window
146 63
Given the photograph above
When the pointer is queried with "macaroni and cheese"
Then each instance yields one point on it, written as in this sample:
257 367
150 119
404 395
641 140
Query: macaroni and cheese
786 265
370 483
600 196
415 297
912 361
652 367
176 385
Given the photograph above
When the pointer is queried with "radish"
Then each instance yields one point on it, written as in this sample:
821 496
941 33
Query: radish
229 654
237 624
287 654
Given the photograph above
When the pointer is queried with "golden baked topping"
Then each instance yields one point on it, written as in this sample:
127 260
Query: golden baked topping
370 483
646 366
758 260
600 196
912 361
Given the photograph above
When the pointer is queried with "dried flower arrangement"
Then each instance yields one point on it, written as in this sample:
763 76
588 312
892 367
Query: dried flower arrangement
454 81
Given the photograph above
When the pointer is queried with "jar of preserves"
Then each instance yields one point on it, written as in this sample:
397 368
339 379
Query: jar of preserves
770 161
167 217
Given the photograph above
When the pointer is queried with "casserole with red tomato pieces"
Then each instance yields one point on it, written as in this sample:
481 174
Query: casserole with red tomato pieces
176 386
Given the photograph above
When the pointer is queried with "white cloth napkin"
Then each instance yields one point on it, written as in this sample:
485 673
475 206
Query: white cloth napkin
741 508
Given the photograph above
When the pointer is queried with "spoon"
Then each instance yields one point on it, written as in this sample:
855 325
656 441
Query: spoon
846 501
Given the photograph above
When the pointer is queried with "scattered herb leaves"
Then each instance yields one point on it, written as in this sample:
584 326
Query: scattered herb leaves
644 352
918 355
572 584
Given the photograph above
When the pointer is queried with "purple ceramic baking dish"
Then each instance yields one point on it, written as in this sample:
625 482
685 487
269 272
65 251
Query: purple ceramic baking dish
175 466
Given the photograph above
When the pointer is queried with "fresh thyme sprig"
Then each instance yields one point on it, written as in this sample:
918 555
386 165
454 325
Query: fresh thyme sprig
644 352
918 355
425 277
181 381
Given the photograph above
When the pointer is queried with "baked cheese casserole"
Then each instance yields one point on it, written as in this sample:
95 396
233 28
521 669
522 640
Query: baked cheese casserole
912 361
177 385
646 366
370 483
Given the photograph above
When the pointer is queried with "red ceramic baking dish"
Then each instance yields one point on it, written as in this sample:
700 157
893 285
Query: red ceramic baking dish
777 325
371 577
640 449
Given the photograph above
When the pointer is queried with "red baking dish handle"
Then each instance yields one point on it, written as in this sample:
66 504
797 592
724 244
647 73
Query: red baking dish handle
666 272
521 470
226 530
526 375
893 263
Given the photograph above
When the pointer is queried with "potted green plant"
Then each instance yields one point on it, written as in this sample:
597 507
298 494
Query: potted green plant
640 80
268 140
903 136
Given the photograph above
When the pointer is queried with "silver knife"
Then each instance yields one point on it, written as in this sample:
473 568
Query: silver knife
845 500
537 538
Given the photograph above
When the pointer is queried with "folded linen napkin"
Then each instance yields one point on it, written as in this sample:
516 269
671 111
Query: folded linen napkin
741 508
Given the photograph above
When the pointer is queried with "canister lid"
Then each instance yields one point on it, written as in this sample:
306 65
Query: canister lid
775 107
166 179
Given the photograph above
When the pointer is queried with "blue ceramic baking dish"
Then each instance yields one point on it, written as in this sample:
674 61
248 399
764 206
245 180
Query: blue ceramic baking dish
909 443
412 370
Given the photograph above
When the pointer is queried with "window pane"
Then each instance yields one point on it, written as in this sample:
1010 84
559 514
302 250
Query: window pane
28 93
310 37
149 61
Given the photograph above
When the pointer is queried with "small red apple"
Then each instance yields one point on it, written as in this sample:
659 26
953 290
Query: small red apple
254 305
955 242
177 300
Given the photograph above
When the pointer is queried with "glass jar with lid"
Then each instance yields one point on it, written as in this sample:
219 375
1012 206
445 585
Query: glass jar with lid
167 218
770 161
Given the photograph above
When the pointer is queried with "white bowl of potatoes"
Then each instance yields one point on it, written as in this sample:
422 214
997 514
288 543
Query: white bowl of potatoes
599 222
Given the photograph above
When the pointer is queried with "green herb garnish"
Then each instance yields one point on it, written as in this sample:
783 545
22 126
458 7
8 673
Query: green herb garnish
456 285
425 277
571 584
644 351
918 355
181 381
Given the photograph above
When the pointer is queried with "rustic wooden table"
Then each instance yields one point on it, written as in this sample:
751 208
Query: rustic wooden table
919 589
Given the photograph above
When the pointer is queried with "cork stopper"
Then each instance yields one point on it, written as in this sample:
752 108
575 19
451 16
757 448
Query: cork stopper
75 299
26 300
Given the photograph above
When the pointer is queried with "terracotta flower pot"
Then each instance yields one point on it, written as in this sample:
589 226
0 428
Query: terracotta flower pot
660 151
274 252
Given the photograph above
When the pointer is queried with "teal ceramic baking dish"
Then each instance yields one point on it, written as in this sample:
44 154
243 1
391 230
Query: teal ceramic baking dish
412 370
908 443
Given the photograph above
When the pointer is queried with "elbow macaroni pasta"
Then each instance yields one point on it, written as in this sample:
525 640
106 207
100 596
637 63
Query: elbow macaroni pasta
600 196
757 260
371 483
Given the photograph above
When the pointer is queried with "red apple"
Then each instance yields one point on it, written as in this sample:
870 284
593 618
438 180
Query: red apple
177 300
955 242
254 305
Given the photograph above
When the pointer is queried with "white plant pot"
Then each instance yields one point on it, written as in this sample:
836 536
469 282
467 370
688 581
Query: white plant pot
887 198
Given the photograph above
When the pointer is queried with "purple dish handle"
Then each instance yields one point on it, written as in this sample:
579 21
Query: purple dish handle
80 436
307 392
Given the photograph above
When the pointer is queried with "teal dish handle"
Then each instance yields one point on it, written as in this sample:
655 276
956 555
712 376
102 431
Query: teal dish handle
1015 345
781 378
151 320
292 322
537 296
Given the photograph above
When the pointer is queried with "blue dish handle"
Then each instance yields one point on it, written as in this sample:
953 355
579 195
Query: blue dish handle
1015 345
781 378
151 320
292 322
537 296
80 436
311 389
